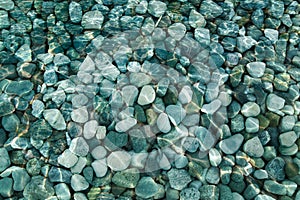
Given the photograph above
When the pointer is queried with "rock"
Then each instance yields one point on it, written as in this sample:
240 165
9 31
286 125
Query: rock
178 178
177 31
90 129
274 187
33 166
19 88
99 152
127 178
253 147
290 187
212 107
126 124
79 146
245 43
10 123
210 9
75 12
202 35
79 183
274 102
129 94
115 140
213 175
209 192
263 197
205 138
139 79
80 115
37 108
196 19
256 69
176 113
7 5
57 174
251 191
181 161
214 157
271 34
276 9
92 20
252 125
275 168
189 194
6 187
157 8
163 123
38 188
118 160
250 109
146 188
147 95
21 178
4 159
228 28
62 191
55 119
185 95
67 159
50 77
60 60
232 144
100 167
23 54
287 139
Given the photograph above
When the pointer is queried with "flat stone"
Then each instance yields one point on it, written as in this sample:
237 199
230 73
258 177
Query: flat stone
100 167
67 159
118 160
79 183
181 161
125 125
252 125
90 129
232 144
185 95
127 178
129 94
79 146
92 20
38 188
146 188
177 31
253 147
80 115
260 174
287 139
163 123
256 69
75 12
178 178
271 34
62 191
19 87
176 113
274 187
157 8
274 102
99 152
205 138
55 119
147 95
250 109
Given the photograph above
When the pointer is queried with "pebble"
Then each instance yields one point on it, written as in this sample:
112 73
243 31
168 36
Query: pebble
60 60
214 157
176 113
79 183
6 187
205 138
4 159
7 5
67 159
38 187
146 188
178 178
129 94
126 124
118 160
10 123
232 144
23 54
80 115
287 139
140 79
19 88
62 191
253 147
163 123
75 12
212 107
177 31
275 168
210 9
56 174
37 108
99 152
78 167
252 125
127 178
250 109
147 95
185 95
196 19
274 187
274 102
213 175
157 8
189 194
100 167
209 192
90 129
256 69
92 20
228 28
79 146
55 119
245 43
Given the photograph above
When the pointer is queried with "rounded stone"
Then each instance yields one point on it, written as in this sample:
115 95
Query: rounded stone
118 160
147 95
79 183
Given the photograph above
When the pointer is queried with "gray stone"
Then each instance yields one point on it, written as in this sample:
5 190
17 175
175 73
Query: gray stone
256 69
146 188
287 139
99 152
57 174
185 95
157 8
209 192
211 107
100 167
181 161
274 102
129 94
79 146
78 167
177 31
140 79
125 125
232 144
214 157
147 95
92 20
196 19
178 178
67 159
60 60
75 12
90 129
253 147
37 108
55 119
62 191
80 115
271 34
228 28
250 109
205 138
118 160
252 125
163 123
176 113
21 178
79 183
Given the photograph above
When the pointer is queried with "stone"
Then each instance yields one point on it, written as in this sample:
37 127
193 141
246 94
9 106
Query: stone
127 178
287 139
7 5
146 188
202 35
209 192
4 159
90 129
271 34
19 88
100 167
196 19
250 109
157 8
79 183
189 194
256 69
213 175
205 138
57 174
181 161
99 152
38 188
251 191
287 123
79 146
263 197
177 31
23 54
6 187
274 102
147 95
185 95
80 115
55 119
50 77
129 94
92 20
140 79
178 178
276 9
228 28
21 178
62 191
211 107
252 125
115 140
80 196
10 123
118 160
163 123
275 168
4 20
274 187
37 108
126 124
214 157
67 159
176 113
78 167
260 174
60 60
210 10
75 12
245 43
232 144
290 187
253 147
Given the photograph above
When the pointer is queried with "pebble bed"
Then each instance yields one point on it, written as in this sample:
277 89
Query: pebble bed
137 99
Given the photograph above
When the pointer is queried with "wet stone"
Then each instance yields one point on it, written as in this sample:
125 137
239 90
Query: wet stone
67 159
228 28
275 168
127 178
177 31
10 123
157 8
245 43
210 9
19 87
118 160
79 183
256 69
55 119
274 187
4 158
147 95
232 144
4 22
189 193
252 125
92 20
100 167
179 178
79 146
287 139
253 147
38 187
75 12
146 188
163 123
274 102
23 54
21 178
196 19
62 191
209 192
176 113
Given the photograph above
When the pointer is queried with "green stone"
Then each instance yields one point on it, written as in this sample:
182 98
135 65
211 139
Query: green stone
75 12
33 167
178 178
253 147
4 20
92 20
5 160
228 28
127 178
274 187
138 140
171 96
189 194
21 178
210 9
196 19
251 191
10 123
38 187
6 187
40 130
23 54
19 87
281 81
146 188
252 125
157 8
289 151
209 192
237 123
